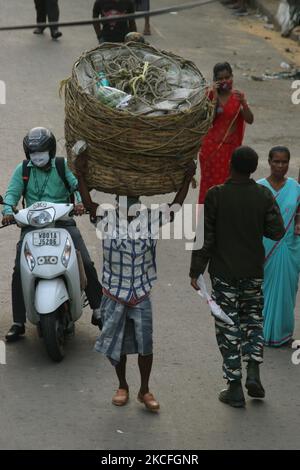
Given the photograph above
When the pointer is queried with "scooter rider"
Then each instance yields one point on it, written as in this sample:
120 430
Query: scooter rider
43 180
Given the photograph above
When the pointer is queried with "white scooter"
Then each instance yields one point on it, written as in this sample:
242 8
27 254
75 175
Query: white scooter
52 274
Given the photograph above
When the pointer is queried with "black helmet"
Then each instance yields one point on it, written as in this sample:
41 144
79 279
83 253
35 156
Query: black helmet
39 139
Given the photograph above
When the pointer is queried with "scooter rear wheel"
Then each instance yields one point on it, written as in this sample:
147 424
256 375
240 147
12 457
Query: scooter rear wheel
53 334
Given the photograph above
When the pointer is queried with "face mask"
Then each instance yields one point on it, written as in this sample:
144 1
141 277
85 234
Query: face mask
39 159
226 85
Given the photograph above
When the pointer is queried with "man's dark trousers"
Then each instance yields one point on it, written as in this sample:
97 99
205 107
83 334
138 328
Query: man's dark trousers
93 290
47 8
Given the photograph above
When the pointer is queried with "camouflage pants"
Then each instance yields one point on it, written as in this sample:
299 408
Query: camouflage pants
242 301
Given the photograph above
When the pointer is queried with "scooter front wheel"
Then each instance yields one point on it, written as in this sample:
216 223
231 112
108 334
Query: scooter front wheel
53 333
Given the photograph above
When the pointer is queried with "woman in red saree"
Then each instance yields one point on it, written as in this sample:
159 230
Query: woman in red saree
227 131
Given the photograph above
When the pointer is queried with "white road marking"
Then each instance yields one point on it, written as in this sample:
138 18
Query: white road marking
158 31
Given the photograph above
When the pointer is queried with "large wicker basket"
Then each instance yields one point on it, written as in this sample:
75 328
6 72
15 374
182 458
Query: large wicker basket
132 154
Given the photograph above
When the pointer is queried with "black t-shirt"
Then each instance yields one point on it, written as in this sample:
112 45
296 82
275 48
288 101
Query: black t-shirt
113 31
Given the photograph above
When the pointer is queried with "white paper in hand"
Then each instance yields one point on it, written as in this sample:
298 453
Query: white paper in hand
216 310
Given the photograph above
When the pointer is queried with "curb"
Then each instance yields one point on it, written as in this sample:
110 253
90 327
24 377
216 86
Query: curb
261 6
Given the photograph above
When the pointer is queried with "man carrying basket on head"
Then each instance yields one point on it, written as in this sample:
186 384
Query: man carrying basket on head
129 272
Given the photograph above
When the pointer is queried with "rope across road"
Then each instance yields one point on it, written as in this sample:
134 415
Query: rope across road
158 12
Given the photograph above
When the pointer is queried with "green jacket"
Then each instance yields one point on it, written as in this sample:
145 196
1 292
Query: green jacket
42 186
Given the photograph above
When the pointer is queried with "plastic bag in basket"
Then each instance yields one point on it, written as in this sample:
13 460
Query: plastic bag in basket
112 97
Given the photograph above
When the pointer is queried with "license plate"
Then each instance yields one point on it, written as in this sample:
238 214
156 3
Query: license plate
46 238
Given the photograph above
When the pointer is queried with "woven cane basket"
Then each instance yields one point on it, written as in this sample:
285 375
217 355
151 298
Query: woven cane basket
133 154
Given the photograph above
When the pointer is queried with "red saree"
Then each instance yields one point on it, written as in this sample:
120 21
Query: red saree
218 145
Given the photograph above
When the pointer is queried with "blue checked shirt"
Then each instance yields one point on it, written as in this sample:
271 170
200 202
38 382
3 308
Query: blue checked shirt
129 264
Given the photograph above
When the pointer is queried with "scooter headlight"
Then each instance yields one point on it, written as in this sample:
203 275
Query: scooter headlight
41 218
65 257
29 257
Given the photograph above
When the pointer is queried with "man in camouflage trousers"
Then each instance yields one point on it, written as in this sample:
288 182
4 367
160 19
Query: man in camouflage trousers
242 301
237 215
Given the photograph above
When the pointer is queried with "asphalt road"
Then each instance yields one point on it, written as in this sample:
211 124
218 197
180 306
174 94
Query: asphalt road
68 405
